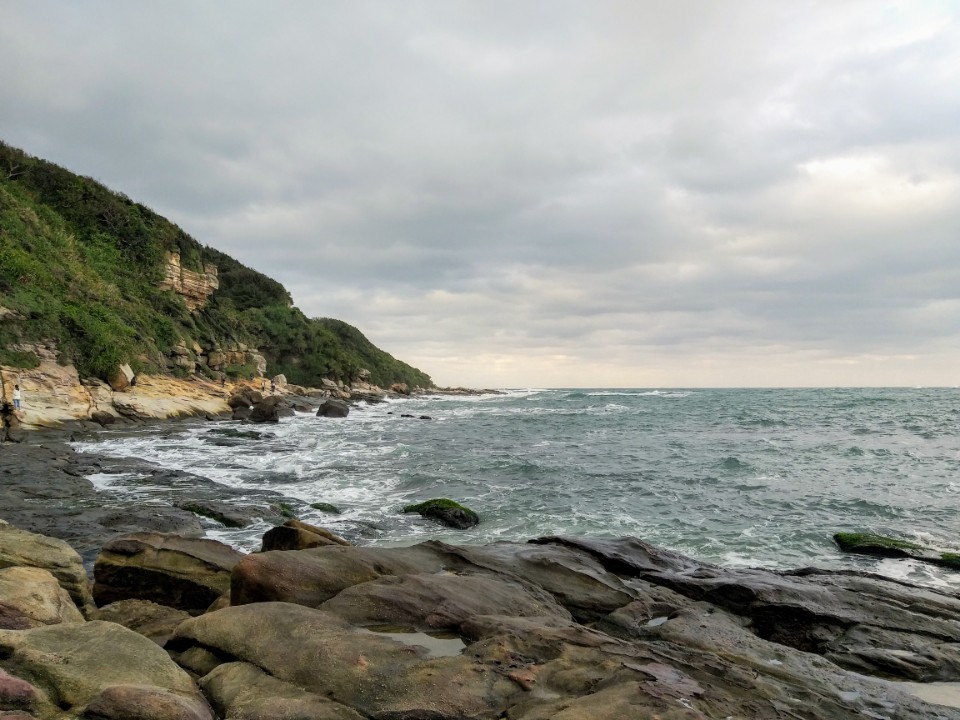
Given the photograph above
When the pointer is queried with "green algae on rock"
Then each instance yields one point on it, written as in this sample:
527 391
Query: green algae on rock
450 513
872 544
325 507
950 560
884 546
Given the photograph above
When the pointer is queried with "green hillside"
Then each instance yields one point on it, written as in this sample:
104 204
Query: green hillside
81 265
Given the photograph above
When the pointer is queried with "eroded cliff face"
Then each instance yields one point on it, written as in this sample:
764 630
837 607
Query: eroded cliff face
54 394
194 287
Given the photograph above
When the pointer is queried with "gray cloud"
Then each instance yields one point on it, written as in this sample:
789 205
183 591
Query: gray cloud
610 193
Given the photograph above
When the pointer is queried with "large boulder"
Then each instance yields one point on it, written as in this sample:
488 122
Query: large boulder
153 621
31 597
332 407
103 418
450 513
267 410
242 690
324 657
183 573
96 670
311 577
121 378
576 580
297 535
22 548
241 413
245 397
440 601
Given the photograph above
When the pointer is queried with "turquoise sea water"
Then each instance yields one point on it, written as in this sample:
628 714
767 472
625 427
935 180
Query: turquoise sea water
736 477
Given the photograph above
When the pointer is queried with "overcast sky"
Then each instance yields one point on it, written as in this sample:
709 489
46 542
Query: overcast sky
545 194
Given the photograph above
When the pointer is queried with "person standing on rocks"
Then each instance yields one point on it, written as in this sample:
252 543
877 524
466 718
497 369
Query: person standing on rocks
16 397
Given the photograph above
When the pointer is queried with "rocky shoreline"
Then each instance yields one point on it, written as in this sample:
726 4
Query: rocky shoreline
56 398
179 627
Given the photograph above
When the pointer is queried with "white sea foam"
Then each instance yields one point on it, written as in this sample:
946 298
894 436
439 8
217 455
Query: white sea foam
595 462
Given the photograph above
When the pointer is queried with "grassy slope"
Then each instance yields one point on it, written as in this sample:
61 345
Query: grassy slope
81 264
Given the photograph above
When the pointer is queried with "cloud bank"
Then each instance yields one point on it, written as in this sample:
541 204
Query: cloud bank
542 194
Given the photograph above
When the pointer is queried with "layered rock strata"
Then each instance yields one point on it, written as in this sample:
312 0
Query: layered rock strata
194 287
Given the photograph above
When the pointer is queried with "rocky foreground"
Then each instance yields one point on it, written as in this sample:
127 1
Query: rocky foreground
181 628
174 626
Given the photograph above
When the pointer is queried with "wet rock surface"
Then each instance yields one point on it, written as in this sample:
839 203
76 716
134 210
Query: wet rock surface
44 488
555 628
589 628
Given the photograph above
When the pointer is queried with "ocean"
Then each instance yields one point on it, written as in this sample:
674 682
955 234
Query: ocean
742 478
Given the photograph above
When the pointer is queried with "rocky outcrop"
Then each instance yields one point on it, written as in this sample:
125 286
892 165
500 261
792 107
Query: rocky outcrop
297 535
267 410
54 395
153 621
183 573
332 407
94 670
559 627
121 378
891 547
31 597
570 628
19 548
450 513
193 287
218 357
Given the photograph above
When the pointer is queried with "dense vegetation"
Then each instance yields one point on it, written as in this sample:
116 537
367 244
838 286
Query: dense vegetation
81 265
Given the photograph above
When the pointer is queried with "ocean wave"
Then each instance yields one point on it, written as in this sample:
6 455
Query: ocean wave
690 476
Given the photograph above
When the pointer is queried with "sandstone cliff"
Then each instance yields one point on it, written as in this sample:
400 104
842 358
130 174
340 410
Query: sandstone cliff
54 394
193 287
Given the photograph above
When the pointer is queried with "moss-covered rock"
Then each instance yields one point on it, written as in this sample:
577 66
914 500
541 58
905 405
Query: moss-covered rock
284 509
450 513
219 512
884 546
325 507
872 544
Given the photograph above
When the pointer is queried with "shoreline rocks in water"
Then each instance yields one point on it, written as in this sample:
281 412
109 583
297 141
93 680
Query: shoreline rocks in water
884 546
56 397
450 513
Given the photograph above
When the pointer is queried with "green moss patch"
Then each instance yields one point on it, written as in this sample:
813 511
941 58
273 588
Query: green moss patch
284 509
325 507
873 544
950 560
212 513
